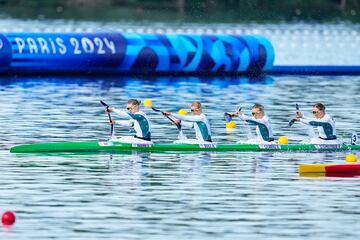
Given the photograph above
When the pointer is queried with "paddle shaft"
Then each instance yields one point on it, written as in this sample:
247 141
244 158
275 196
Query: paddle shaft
228 116
172 120
110 120
292 121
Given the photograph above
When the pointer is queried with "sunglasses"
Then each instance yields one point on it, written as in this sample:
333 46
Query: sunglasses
129 108
254 113
194 110
316 112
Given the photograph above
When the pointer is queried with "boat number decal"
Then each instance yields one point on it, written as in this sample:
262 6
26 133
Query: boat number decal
143 145
207 145
327 146
269 146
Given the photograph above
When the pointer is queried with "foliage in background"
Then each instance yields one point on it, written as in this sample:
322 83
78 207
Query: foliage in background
185 10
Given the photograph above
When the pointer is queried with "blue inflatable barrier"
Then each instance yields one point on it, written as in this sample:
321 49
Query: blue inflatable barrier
131 53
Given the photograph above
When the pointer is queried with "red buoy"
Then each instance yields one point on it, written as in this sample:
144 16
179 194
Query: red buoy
8 218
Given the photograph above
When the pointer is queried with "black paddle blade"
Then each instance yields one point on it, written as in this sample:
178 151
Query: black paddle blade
227 117
104 104
156 110
292 121
178 126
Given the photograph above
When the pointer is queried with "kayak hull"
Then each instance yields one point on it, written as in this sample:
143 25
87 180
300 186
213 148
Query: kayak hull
329 170
95 146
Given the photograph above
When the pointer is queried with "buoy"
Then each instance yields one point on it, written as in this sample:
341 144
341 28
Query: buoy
351 158
147 103
283 140
8 218
182 112
231 124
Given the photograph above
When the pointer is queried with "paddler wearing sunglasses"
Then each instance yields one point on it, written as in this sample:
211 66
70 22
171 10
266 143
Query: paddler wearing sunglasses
324 122
137 120
261 121
197 120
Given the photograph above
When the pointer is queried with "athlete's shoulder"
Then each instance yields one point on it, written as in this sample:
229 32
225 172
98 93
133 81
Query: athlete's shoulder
266 118
328 117
141 113
202 115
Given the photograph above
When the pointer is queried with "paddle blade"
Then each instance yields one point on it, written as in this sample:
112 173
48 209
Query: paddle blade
178 126
292 121
227 117
156 110
104 104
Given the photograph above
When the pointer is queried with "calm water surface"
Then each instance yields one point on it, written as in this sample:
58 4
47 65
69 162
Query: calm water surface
184 196
165 196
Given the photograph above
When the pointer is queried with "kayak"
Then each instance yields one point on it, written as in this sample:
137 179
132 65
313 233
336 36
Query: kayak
113 146
330 170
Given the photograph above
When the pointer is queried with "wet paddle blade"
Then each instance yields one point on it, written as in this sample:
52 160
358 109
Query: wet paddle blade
227 117
104 104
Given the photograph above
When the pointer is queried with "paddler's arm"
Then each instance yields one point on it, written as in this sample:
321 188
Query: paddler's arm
179 121
124 123
120 112
248 119
302 118
314 121
187 118
186 124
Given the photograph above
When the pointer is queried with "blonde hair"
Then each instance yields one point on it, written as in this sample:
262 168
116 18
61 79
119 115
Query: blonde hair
197 104
259 106
320 106
134 102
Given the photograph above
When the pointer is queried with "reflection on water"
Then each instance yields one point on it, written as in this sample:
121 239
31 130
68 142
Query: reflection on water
161 196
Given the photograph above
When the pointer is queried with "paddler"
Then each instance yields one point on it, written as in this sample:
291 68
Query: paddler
324 122
197 120
136 119
261 121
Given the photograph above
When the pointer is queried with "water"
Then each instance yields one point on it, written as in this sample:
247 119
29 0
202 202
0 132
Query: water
185 196
162 196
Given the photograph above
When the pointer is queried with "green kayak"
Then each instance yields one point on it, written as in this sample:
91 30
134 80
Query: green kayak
95 146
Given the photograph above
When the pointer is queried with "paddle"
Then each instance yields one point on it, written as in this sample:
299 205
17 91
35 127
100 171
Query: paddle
181 135
176 124
292 121
228 116
112 125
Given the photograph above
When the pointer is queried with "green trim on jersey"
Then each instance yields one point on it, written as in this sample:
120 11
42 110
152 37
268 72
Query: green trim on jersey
204 131
143 123
328 129
264 131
